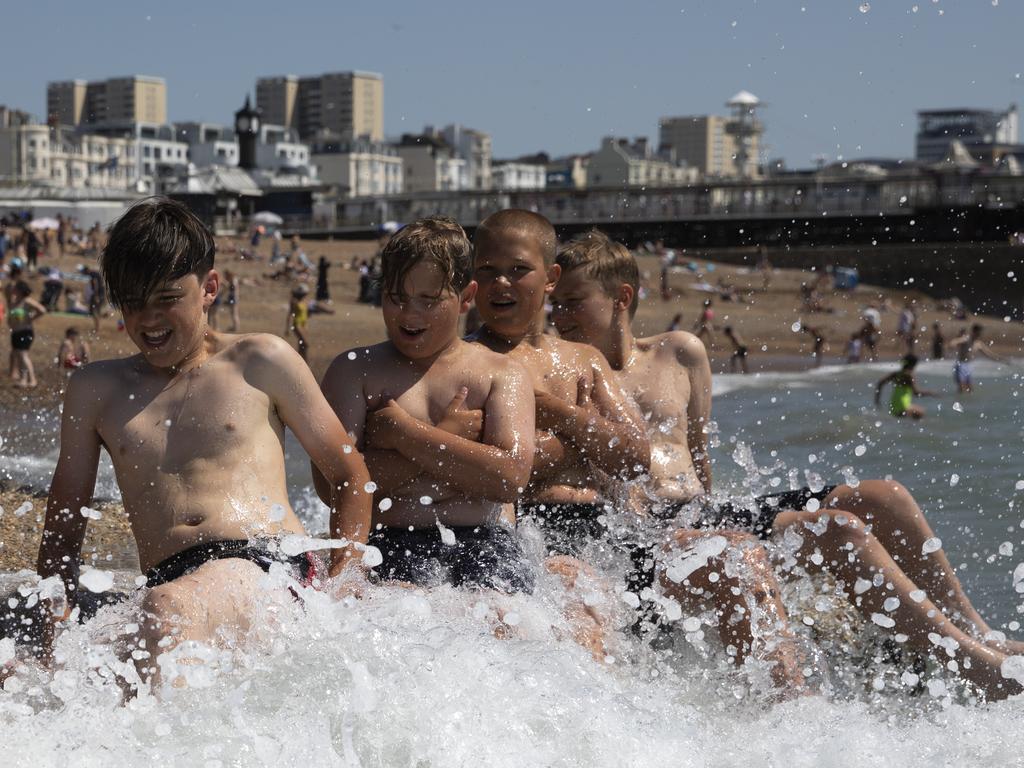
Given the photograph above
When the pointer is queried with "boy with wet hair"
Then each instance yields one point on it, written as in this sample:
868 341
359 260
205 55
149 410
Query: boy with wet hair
447 427
670 379
194 425
584 420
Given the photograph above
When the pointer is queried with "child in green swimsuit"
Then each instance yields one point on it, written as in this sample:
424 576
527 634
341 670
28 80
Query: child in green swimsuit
904 387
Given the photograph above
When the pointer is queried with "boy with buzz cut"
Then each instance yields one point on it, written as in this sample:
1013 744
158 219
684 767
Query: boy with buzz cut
447 426
669 377
194 425
587 430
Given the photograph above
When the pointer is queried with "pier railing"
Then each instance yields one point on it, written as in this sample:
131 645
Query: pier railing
804 196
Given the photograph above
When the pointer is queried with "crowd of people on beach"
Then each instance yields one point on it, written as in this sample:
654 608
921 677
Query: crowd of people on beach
432 450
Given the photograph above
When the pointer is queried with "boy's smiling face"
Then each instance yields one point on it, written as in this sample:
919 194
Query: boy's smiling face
582 310
423 319
513 281
170 327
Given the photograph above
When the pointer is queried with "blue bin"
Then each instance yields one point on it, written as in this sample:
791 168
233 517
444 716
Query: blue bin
845 278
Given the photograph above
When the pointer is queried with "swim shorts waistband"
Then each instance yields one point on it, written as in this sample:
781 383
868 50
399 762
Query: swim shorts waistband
304 566
566 527
758 519
485 557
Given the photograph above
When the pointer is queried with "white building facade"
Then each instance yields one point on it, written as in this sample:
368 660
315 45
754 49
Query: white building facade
360 168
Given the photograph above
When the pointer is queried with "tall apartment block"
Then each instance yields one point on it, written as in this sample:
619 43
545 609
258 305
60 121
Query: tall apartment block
349 105
702 142
117 101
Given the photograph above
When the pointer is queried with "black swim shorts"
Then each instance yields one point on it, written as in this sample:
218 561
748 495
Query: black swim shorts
488 557
567 528
758 519
304 566
22 340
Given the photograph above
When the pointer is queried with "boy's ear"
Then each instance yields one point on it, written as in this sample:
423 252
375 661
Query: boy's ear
211 287
467 296
553 274
625 298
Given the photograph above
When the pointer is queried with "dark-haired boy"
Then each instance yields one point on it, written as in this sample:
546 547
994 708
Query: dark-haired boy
670 379
194 425
410 403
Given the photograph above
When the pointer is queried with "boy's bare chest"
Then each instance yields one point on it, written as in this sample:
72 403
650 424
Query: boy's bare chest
556 373
661 392
191 421
427 396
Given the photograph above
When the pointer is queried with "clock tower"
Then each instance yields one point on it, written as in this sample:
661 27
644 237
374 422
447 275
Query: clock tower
247 129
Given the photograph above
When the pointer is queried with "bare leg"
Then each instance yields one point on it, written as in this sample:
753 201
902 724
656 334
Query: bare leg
837 541
898 522
587 624
215 600
732 571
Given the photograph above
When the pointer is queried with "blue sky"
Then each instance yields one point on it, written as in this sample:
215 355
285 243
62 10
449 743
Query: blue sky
555 75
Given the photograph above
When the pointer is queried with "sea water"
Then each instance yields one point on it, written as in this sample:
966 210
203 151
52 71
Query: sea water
416 678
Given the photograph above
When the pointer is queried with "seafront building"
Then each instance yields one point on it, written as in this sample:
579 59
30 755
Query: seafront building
718 147
524 173
431 165
622 163
982 132
472 146
116 101
347 104
358 167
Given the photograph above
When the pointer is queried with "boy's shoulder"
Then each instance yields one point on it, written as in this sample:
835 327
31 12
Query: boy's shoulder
488 361
683 346
362 361
574 352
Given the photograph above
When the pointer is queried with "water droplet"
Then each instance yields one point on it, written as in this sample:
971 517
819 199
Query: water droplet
860 450
795 327
954 479
861 586
958 408
934 544
372 556
385 504
370 487
426 501
891 604
1019 485
91 514
351 355
813 505
95 580
1006 549
882 620
918 596
864 7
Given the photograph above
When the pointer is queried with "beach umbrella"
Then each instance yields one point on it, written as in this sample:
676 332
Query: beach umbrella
44 223
268 217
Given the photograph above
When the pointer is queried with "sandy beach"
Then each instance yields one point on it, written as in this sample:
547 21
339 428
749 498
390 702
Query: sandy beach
763 318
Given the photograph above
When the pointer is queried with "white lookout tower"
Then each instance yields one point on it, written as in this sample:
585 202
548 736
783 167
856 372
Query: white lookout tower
746 129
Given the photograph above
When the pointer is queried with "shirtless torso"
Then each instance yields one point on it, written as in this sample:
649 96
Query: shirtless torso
497 391
669 379
199 458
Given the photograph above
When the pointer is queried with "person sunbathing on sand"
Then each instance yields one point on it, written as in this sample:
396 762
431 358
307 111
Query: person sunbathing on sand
194 425
908 582
447 426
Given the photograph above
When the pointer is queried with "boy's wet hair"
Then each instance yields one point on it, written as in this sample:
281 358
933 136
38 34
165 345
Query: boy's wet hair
71 332
606 261
437 240
524 223
156 240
